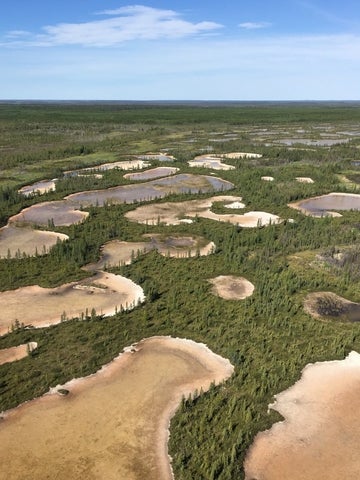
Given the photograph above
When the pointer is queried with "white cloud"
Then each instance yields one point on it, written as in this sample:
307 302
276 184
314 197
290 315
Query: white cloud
128 23
17 34
254 25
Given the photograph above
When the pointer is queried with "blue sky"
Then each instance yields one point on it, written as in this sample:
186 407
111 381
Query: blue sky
180 50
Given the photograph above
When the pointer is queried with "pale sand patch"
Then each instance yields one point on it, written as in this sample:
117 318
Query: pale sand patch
122 165
231 287
267 178
41 307
113 424
210 161
15 241
152 173
240 155
319 438
16 353
173 213
40 188
116 252
235 205
304 179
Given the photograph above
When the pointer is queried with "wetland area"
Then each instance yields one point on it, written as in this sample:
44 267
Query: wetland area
181 299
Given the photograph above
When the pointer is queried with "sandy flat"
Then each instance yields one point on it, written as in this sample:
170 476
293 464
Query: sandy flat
116 252
113 424
173 213
328 305
320 436
58 213
304 179
40 188
230 287
16 353
122 165
42 307
241 155
17 241
210 161
152 173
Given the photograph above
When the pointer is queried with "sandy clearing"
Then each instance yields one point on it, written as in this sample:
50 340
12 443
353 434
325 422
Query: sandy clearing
240 155
16 353
19 240
128 438
210 161
230 287
319 438
152 173
173 213
328 305
116 252
40 188
235 205
122 165
304 179
41 307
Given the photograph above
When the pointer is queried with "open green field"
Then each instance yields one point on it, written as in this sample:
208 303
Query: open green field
268 337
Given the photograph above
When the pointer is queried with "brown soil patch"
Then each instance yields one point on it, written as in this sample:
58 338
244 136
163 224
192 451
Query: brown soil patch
40 188
329 306
320 436
16 241
114 424
41 307
16 353
230 287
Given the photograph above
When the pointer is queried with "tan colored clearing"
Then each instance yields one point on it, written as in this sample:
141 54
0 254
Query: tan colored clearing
235 205
123 165
174 213
41 307
16 353
152 173
112 425
40 188
210 161
117 253
319 439
230 287
304 179
328 305
240 155
16 241
267 179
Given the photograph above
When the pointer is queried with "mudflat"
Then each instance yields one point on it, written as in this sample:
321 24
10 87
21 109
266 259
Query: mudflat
75 437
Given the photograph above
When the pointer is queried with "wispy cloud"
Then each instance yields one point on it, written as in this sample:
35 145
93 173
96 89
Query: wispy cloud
254 25
136 22
326 14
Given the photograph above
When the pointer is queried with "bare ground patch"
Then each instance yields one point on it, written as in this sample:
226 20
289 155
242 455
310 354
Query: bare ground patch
329 306
231 287
113 424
